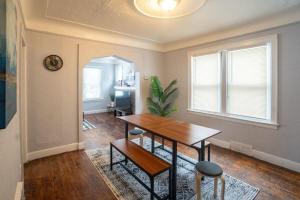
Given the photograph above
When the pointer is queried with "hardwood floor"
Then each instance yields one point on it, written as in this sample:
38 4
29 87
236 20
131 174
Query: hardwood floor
71 175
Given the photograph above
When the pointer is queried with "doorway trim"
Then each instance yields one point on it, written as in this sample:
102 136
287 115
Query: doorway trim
23 111
138 97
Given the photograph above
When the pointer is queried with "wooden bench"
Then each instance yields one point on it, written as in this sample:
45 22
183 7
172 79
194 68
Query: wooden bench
146 161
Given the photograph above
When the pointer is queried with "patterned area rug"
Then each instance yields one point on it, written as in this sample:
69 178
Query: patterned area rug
124 186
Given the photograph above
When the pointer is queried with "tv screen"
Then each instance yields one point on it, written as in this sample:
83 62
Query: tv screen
123 99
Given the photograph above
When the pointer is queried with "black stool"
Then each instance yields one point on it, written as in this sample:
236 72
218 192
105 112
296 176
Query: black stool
135 132
205 168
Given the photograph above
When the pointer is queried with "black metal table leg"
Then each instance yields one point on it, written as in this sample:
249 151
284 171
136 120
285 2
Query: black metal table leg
174 169
152 142
111 157
170 183
199 154
126 130
202 150
126 136
202 153
208 153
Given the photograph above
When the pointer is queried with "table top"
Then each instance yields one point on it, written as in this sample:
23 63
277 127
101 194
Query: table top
174 130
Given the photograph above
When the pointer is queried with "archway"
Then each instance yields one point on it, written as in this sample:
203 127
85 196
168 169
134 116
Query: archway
104 78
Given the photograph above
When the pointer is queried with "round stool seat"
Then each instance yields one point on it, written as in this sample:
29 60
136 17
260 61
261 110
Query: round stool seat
135 132
209 169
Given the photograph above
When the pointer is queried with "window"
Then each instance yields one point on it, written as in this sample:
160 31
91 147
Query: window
237 81
92 83
206 82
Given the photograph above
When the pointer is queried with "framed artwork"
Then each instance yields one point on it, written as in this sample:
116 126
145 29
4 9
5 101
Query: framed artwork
8 62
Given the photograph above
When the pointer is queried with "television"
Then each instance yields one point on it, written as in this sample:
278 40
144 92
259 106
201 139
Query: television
123 102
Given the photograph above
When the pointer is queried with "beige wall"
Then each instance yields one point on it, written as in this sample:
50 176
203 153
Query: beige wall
53 96
53 102
10 142
283 142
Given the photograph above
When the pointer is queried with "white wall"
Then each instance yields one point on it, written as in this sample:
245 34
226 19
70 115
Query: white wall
283 142
107 87
53 96
10 147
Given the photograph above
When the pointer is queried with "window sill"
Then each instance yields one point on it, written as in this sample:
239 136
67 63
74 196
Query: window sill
239 119
93 100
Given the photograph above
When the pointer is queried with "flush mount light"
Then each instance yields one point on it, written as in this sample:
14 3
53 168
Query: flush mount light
168 4
168 8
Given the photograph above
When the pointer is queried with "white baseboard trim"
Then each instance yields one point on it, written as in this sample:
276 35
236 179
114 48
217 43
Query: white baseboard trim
53 151
81 145
88 112
220 143
277 160
282 162
19 191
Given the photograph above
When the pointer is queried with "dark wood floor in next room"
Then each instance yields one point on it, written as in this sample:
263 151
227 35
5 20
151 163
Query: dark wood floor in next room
71 176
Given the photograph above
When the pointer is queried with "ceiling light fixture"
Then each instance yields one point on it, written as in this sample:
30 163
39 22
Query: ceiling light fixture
168 4
166 9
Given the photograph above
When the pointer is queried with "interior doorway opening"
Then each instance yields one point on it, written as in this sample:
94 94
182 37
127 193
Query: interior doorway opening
110 87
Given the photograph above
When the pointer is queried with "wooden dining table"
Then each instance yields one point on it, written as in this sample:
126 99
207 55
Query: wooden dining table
173 130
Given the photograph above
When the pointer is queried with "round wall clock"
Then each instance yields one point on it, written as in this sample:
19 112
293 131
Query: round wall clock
53 62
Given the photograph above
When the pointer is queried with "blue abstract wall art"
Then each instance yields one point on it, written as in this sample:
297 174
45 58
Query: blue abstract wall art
8 62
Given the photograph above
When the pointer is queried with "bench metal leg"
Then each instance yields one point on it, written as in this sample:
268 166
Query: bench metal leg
174 169
163 143
170 183
152 142
151 188
126 136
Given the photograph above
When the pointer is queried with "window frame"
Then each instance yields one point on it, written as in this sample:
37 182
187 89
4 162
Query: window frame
272 41
101 95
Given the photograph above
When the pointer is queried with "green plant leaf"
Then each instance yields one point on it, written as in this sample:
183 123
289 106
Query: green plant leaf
154 105
153 110
167 113
158 102
156 87
166 96
170 86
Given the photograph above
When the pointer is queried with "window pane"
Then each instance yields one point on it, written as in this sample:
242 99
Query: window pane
247 86
91 83
205 82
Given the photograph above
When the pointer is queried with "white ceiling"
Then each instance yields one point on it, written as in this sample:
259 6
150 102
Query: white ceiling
119 17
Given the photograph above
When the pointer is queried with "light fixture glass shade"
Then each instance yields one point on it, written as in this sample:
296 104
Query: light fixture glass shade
168 8
168 4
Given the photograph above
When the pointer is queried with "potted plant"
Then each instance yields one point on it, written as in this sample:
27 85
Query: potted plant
161 100
112 99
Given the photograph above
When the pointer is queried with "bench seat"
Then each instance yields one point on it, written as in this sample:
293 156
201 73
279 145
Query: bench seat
145 160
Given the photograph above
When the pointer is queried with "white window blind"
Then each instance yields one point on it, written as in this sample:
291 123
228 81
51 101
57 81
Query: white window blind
92 83
238 81
247 82
206 82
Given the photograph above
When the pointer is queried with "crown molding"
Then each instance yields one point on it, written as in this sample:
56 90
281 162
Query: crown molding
80 31
260 25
